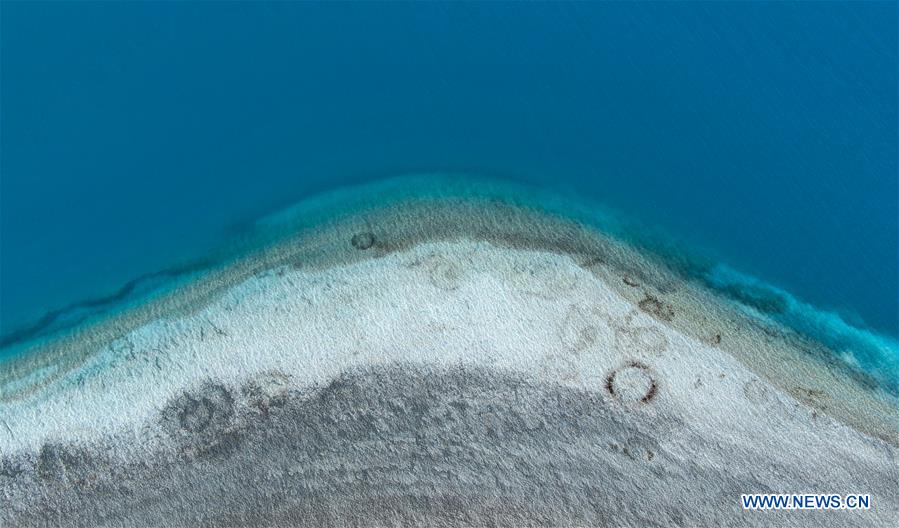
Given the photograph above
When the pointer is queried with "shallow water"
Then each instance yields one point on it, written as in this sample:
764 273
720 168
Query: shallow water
139 138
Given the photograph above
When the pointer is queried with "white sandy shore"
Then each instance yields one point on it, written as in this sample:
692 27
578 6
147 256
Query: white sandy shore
645 345
440 303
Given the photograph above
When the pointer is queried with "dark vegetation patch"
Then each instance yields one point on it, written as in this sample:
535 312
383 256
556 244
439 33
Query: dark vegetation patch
657 308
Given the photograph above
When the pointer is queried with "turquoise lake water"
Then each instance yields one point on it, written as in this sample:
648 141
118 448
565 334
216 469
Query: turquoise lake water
137 138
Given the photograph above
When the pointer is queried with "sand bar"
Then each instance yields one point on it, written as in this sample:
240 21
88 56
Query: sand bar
401 356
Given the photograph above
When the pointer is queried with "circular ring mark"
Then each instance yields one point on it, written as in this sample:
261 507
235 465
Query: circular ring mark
363 241
633 383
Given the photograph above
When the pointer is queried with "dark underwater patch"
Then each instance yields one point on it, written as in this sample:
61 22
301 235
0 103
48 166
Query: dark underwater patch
75 313
758 297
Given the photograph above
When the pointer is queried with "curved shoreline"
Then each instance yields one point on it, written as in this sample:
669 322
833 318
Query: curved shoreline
281 234
472 292
284 225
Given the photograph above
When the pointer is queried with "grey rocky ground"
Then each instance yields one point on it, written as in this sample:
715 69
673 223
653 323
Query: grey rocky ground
406 445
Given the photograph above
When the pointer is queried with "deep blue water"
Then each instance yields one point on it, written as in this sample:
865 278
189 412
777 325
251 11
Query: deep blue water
139 136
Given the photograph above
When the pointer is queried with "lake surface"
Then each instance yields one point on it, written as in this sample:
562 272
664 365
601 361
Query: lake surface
139 137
